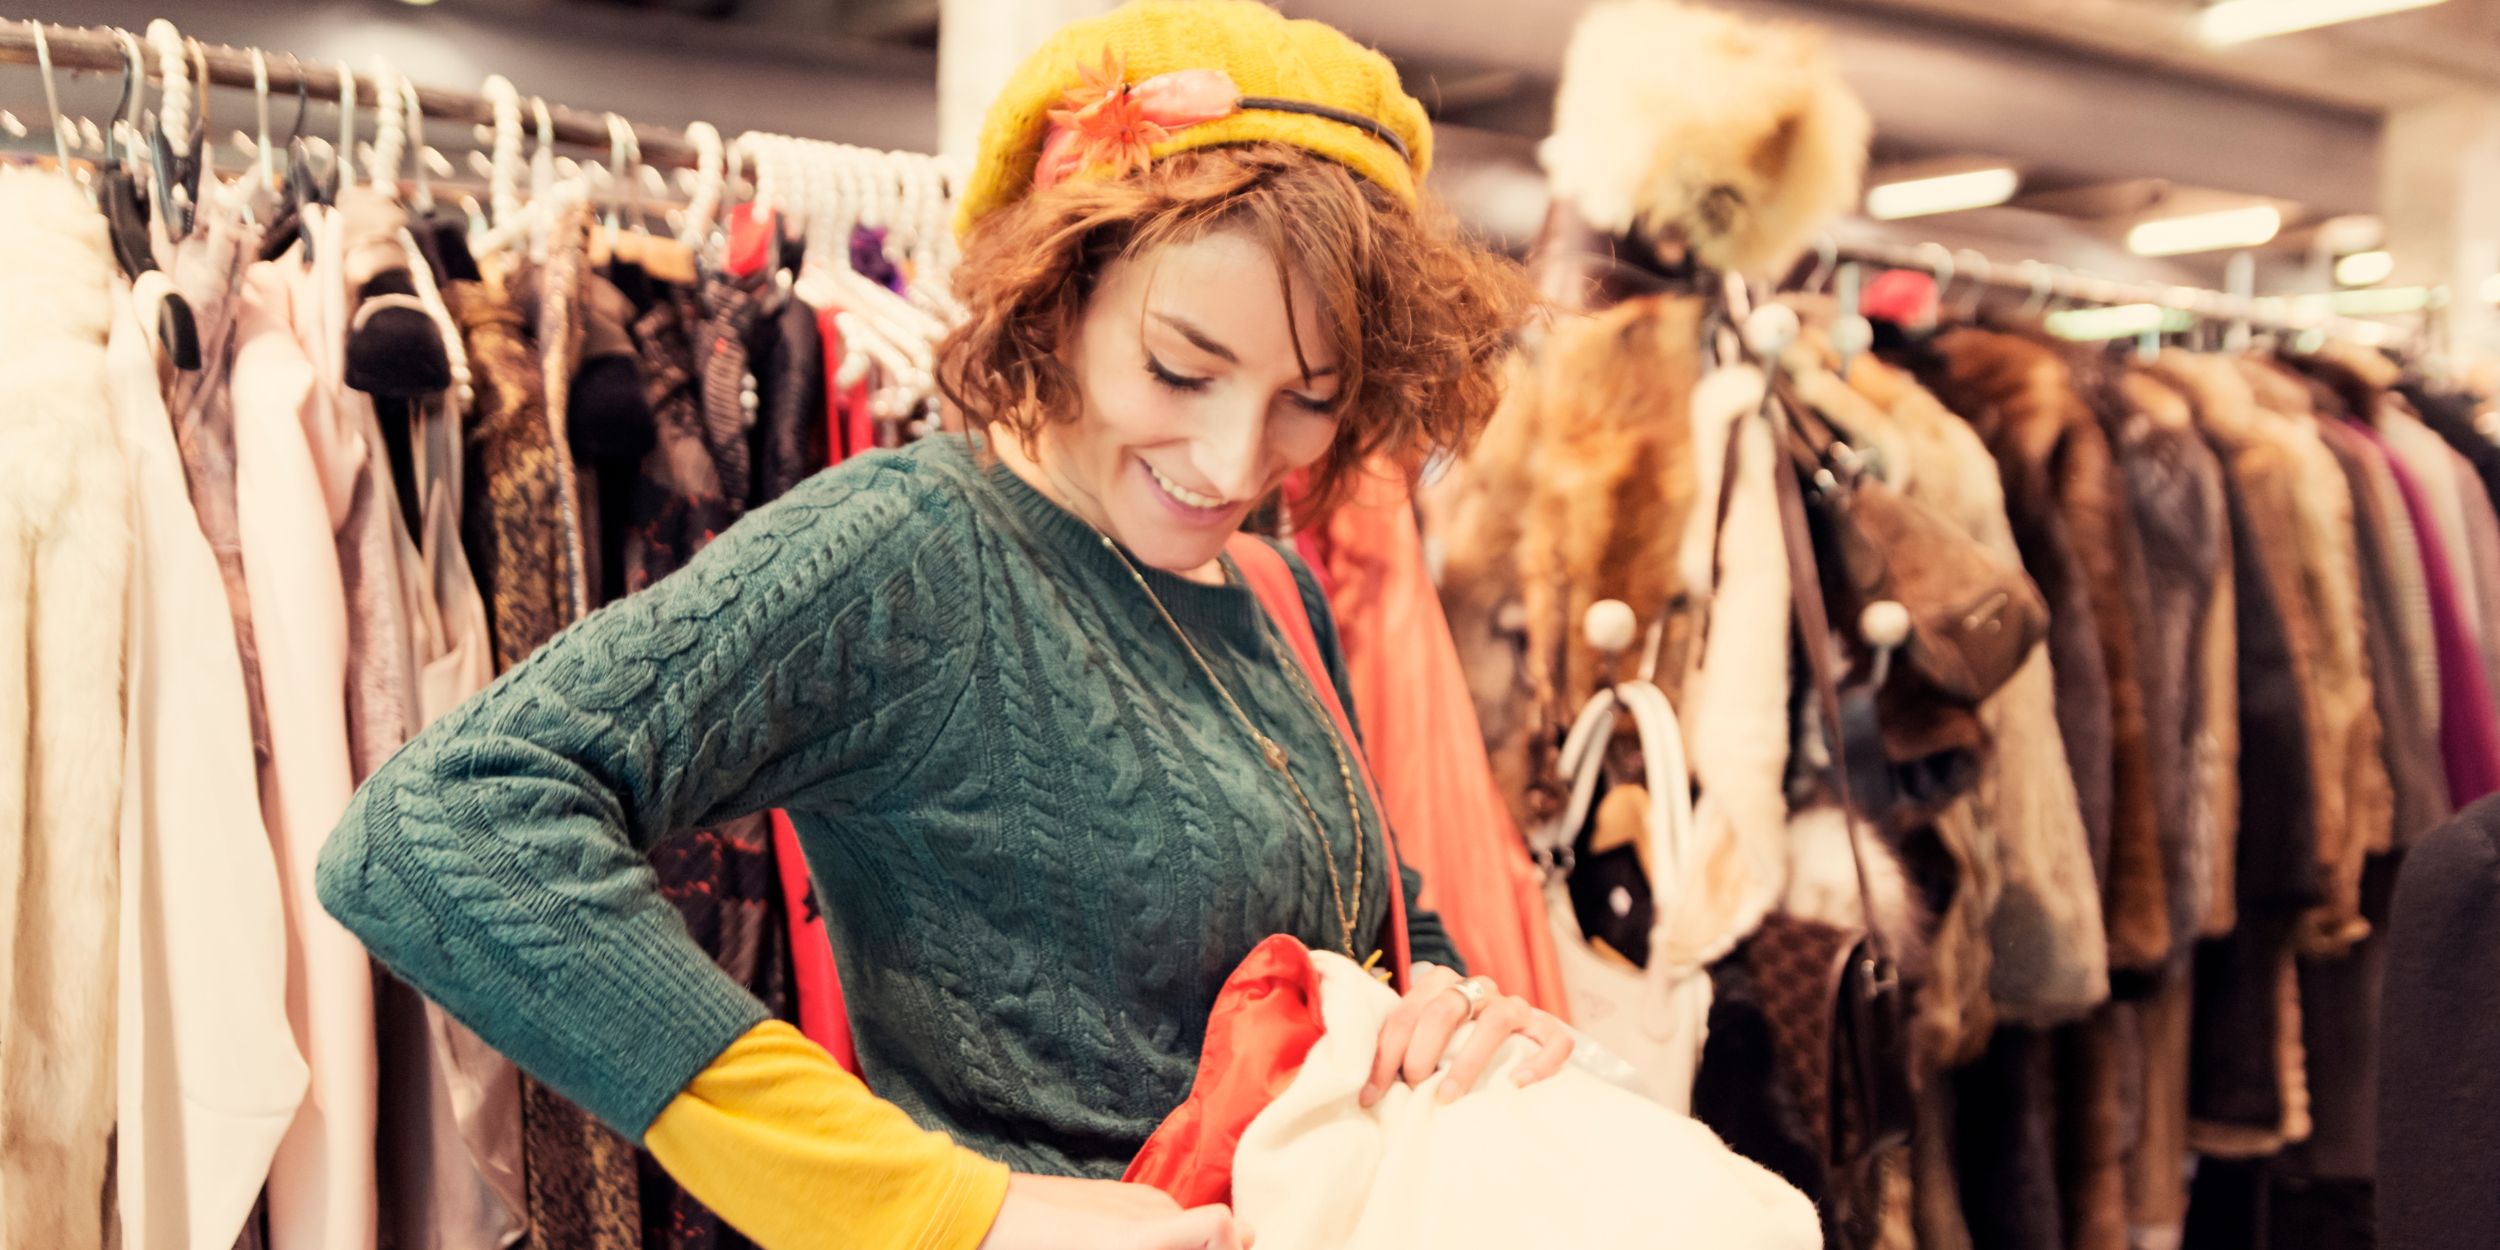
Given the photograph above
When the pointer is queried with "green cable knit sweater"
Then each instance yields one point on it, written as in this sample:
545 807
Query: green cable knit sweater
1041 839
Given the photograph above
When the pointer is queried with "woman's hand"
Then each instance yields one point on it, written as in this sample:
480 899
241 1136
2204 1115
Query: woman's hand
1417 1034
1059 1213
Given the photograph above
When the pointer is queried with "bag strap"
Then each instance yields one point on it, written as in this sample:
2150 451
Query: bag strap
1814 632
1280 592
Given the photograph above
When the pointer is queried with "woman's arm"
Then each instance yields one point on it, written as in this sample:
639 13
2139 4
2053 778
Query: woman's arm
497 862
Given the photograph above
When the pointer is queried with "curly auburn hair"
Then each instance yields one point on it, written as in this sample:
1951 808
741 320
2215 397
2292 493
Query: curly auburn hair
1421 319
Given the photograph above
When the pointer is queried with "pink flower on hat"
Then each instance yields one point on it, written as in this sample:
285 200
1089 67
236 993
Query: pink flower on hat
1107 123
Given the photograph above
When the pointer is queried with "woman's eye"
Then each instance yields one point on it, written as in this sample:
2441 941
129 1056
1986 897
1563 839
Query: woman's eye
1317 407
1176 381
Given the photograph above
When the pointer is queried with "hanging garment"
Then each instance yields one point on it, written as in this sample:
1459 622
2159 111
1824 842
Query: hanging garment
1318 1171
2469 727
1411 700
2243 1089
2418 785
2356 802
728 391
65 565
2054 465
2438 1163
581 1178
787 355
677 503
610 431
208 270
2174 488
294 489
2482 553
2046 951
209 1072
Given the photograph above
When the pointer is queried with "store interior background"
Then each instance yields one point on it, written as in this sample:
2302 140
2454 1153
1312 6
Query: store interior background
2377 135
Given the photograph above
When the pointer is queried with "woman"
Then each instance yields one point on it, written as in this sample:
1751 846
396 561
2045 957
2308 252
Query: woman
1013 694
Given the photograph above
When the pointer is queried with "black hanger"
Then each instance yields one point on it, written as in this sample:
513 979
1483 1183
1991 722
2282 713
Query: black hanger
303 185
126 212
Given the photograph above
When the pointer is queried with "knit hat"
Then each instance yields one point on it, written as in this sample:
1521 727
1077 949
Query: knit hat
1298 82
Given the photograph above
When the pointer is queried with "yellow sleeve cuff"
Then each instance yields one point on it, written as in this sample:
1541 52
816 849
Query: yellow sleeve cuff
795 1153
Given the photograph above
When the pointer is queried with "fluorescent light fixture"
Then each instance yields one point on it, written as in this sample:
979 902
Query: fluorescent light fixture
2238 21
2093 325
2383 302
1949 193
2205 232
2365 268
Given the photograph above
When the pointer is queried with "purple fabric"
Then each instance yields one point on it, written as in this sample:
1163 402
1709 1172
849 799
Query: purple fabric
2469 726
869 258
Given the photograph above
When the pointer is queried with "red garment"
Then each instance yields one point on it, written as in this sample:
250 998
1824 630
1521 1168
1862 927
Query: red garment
1265 1021
1420 724
753 238
1272 580
814 981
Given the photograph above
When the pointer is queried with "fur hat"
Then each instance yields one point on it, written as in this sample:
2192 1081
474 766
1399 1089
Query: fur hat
1677 123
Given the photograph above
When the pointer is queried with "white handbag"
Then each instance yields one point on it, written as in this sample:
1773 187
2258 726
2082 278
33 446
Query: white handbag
1655 1018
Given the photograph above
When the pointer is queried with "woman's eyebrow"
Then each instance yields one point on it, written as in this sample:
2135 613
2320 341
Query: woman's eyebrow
1206 343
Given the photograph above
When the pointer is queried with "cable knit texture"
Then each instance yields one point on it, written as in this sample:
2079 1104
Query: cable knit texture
1042 840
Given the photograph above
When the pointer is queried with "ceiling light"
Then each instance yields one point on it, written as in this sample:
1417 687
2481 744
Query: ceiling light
1950 193
2238 21
2124 321
2365 268
2205 232
2384 302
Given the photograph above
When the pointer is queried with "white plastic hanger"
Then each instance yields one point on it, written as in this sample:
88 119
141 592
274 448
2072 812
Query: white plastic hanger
703 200
346 155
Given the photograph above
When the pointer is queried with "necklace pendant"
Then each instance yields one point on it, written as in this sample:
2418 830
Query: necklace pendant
1372 965
1275 754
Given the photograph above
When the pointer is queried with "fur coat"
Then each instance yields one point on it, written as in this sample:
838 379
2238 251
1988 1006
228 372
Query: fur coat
2042 957
64 586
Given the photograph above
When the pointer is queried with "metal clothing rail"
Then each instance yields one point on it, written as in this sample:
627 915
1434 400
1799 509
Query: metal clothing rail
2287 313
99 49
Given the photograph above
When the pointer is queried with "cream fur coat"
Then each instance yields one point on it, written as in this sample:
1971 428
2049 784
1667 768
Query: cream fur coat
64 582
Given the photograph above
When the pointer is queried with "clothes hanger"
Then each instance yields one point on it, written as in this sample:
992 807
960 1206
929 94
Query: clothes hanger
52 102
390 130
703 199
177 145
343 162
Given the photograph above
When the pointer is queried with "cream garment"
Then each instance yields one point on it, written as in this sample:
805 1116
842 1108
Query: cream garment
1735 703
291 497
210 1073
1573 1160
64 596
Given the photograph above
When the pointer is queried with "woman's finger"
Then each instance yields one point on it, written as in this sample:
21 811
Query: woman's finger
1500 1020
1438 1019
1200 1228
1554 1044
1398 1030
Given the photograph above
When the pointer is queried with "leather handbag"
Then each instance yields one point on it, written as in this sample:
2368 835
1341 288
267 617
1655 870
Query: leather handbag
1971 620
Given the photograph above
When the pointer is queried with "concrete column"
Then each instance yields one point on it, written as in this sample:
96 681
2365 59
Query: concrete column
2439 183
980 43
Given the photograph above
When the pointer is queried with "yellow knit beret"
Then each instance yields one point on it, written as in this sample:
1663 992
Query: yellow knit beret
1266 54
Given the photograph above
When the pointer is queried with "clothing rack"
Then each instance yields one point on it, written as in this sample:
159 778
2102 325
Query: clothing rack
2284 313
99 49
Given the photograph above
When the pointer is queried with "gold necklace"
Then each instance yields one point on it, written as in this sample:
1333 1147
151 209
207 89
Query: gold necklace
1274 754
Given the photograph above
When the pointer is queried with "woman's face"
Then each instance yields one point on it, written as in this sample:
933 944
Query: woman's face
1195 403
